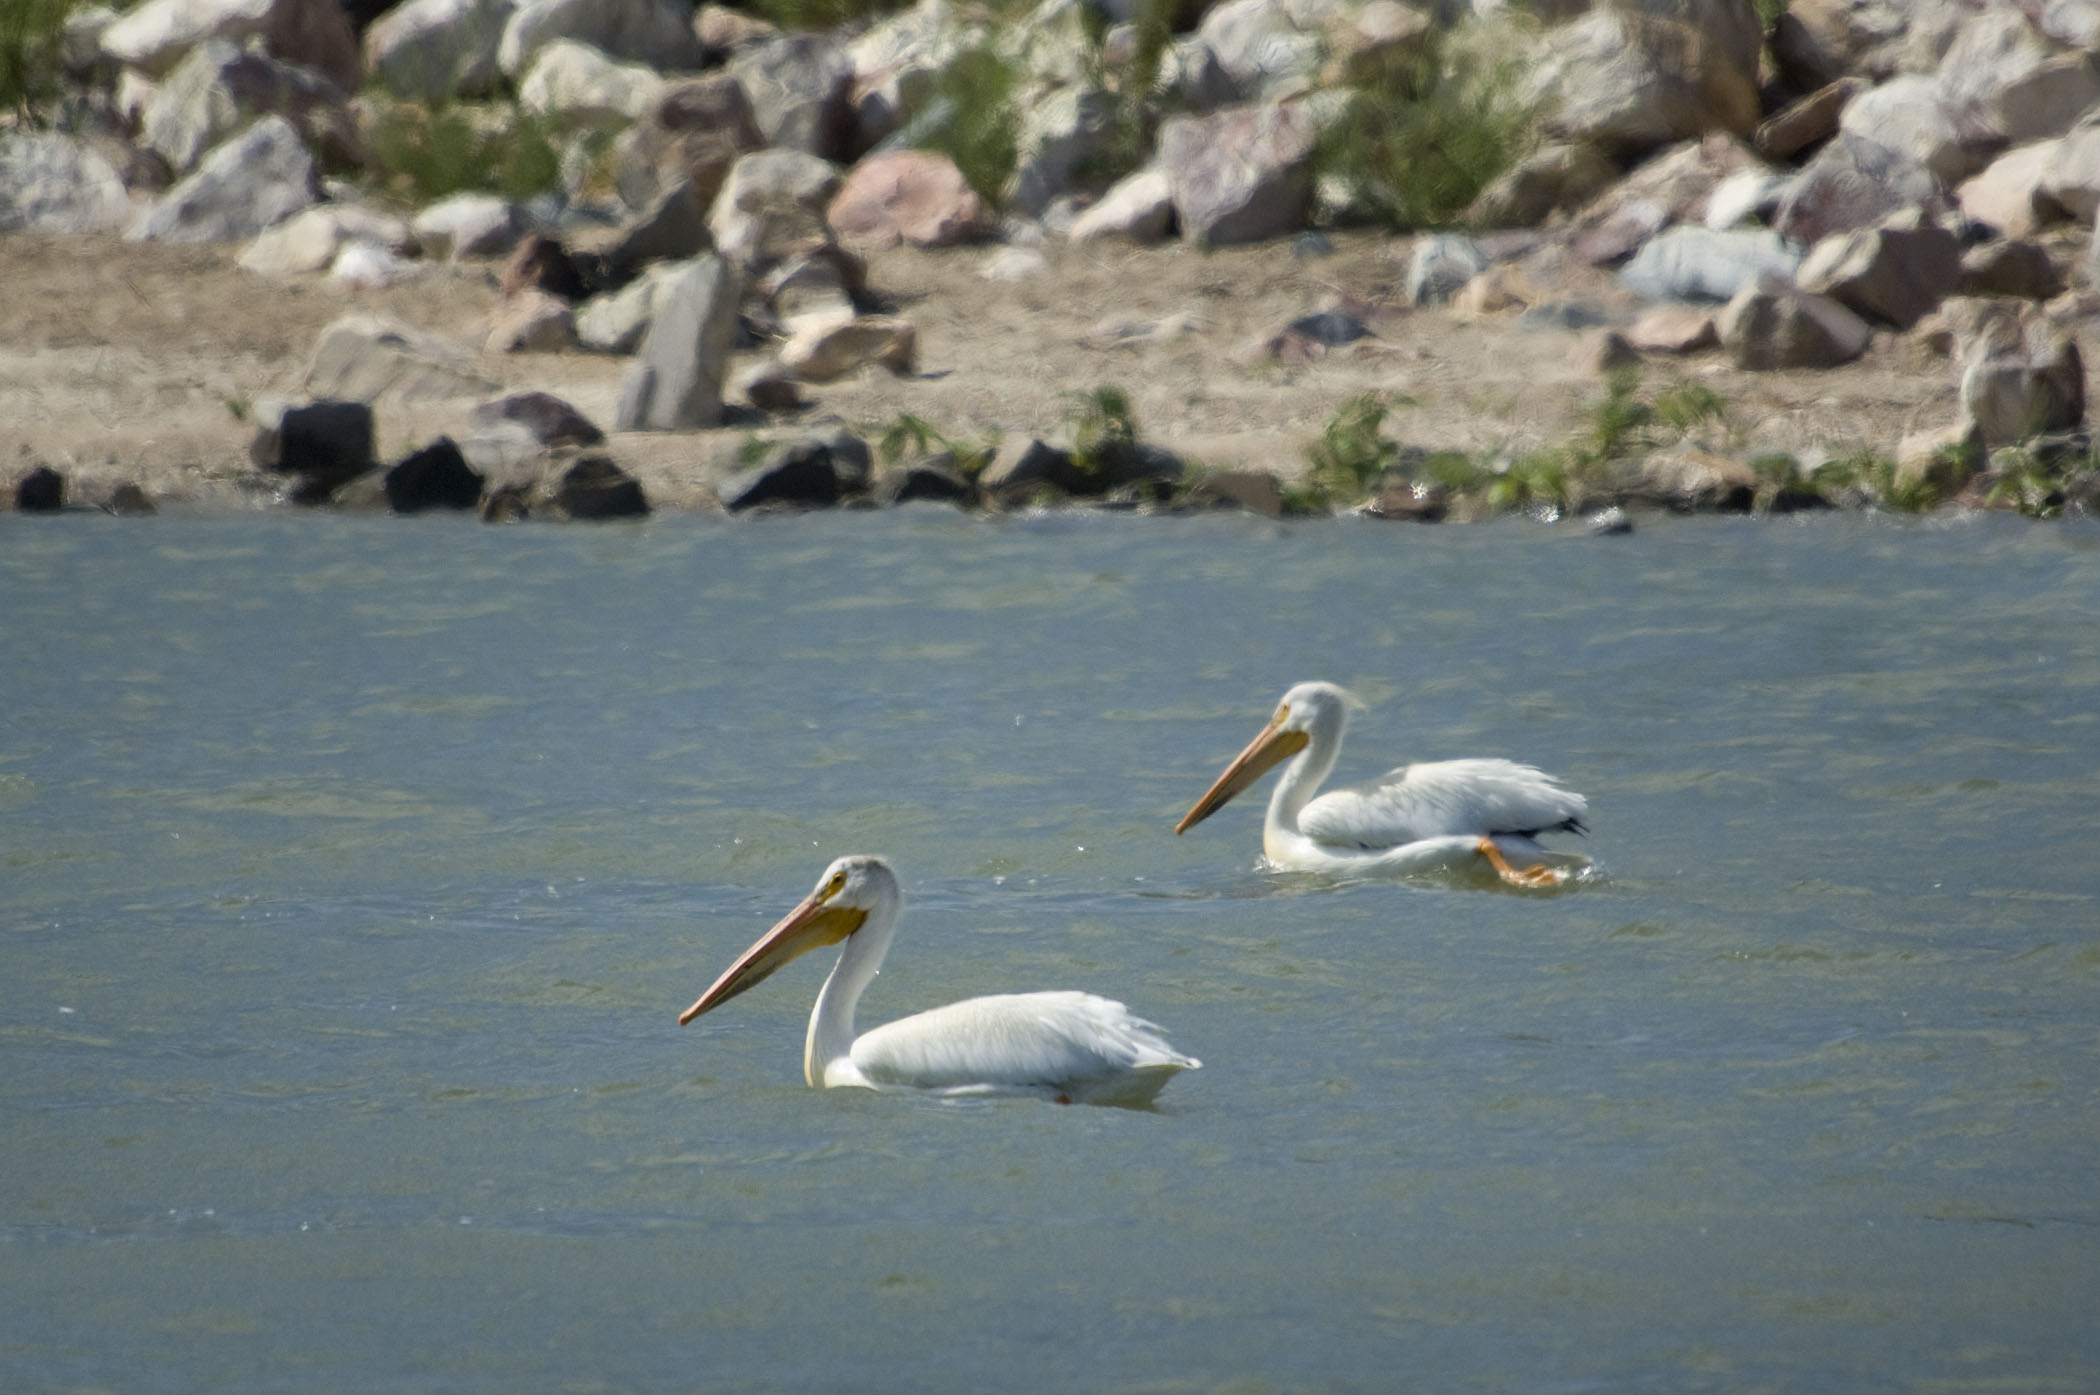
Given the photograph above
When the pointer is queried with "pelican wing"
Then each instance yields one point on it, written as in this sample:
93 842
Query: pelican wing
1435 799
1075 1044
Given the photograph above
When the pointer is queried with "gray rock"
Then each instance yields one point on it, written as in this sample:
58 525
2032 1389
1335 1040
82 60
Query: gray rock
2013 78
580 89
1627 82
1772 323
2021 378
363 358
1241 174
822 351
1896 272
772 204
800 88
58 183
1266 48
655 32
220 88
532 321
1139 207
311 34
2071 178
242 187
1551 178
1059 137
470 227
435 49
309 241
1674 186
1914 116
809 289
676 384
615 323
671 227
2007 196
1698 263
693 133
1440 266
1852 182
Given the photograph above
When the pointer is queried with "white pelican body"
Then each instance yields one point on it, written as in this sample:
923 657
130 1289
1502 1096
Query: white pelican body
1071 1047
1436 815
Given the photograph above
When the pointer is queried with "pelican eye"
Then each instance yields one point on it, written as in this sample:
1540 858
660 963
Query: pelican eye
833 887
1283 714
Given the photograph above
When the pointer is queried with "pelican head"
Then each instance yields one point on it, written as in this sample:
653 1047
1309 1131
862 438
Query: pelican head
1310 714
852 889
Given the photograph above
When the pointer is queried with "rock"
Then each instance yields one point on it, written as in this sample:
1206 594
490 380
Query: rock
547 419
1852 182
1495 291
579 88
1698 263
433 50
1060 137
799 86
435 477
821 352
311 34
325 444
1380 41
722 31
929 479
1014 264
1241 174
2071 179
1674 329
368 266
1749 198
469 227
1605 351
693 133
58 183
42 490
241 188
768 386
1139 207
2019 381
2011 77
1672 187
676 384
1912 116
129 501
914 197
1256 491
1895 272
539 263
1545 181
220 88
615 323
2008 195
1025 466
805 474
1440 266
532 322
1807 120
654 32
671 227
1628 83
595 488
1773 324
361 358
2011 267
1689 478
808 290
772 204
309 241
1946 458
1261 46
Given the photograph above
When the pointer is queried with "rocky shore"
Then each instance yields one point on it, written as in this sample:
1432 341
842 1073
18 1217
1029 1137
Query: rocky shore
1835 255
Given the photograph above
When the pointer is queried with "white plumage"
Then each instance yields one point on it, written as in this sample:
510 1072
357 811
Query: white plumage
1425 817
1072 1047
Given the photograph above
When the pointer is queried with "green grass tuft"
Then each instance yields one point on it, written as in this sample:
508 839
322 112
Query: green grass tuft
981 126
31 34
421 153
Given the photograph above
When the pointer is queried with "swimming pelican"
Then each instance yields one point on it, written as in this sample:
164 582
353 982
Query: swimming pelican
1062 1046
1422 817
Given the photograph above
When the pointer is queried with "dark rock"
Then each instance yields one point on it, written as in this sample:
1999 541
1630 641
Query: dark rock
670 227
1256 491
2011 267
325 444
1330 327
1408 502
540 263
804 474
596 487
929 478
129 501
510 503
42 490
435 477
1611 522
1803 123
545 417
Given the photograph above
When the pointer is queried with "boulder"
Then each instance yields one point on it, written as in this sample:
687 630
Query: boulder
2007 196
1241 174
615 323
656 32
813 473
369 266
1749 198
545 418
676 382
1545 181
580 89
51 182
1688 478
1771 323
42 490
311 34
432 50
1946 458
468 227
820 352
309 241
2012 78
692 133
772 204
768 386
1852 182
915 197
2021 378
1440 266
2011 267
1264 48
221 88
435 477
1377 42
325 444
241 188
362 358
928 479
1060 137
1138 207
1806 120
722 31
1914 116
1896 272
594 487
1628 83
1674 186
2071 179
1674 329
810 288
800 89
1698 263
532 322
541 263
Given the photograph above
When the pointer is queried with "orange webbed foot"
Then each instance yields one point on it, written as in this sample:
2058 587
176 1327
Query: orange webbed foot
1540 876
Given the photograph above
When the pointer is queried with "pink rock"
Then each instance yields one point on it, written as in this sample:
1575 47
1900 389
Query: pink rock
906 196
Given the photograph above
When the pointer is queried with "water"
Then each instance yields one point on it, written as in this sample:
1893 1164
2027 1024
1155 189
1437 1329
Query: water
352 873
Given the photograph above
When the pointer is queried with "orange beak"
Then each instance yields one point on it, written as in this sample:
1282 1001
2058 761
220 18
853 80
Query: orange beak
811 925
1270 748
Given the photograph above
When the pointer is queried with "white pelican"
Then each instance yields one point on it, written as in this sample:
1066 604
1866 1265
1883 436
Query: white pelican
1437 814
1063 1046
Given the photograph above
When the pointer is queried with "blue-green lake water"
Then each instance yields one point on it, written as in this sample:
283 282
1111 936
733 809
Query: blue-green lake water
353 873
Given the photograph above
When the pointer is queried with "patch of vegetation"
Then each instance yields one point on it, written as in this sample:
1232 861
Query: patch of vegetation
821 14
908 436
31 34
1418 142
1134 86
1103 427
1875 476
1348 460
2023 481
973 120
421 153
